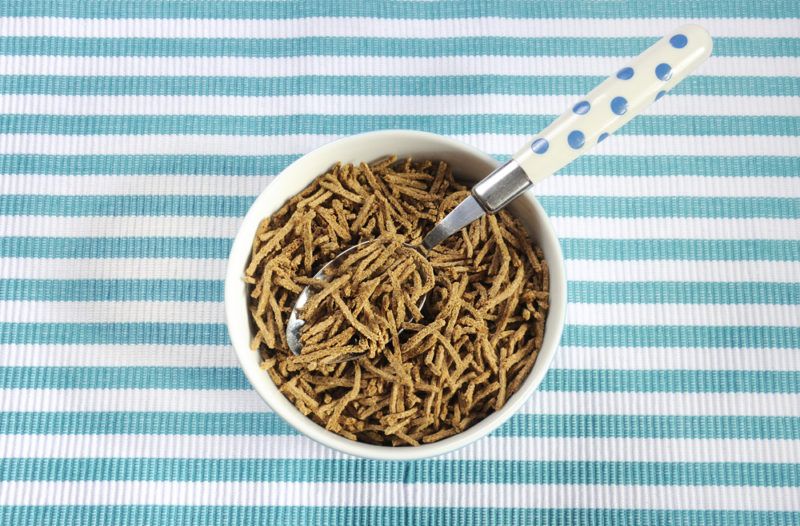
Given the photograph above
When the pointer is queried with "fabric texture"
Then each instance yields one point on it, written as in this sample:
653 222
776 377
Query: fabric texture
135 134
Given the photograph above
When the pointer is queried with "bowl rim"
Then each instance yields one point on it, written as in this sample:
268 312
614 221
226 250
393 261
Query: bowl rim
236 306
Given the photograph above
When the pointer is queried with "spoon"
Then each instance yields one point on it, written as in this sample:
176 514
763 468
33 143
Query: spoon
601 112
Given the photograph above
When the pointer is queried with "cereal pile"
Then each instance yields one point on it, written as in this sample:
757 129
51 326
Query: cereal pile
374 367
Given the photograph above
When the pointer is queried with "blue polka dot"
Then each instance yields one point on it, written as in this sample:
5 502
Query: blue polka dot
602 137
540 146
660 94
619 105
582 108
576 139
664 71
625 73
678 41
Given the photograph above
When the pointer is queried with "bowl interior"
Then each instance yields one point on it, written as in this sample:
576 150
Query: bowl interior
469 165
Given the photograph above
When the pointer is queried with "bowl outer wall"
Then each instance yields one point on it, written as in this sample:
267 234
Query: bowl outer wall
469 165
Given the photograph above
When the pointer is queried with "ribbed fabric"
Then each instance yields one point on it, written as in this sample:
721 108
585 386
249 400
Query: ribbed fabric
135 134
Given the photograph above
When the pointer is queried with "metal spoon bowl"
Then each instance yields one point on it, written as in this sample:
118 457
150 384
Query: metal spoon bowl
295 324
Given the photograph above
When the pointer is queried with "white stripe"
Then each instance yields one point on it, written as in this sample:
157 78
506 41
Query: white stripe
296 144
681 358
372 66
541 402
577 313
93 226
91 493
669 270
112 311
677 314
628 358
490 448
675 228
577 227
228 185
385 27
169 400
55 355
188 184
373 105
577 270
122 268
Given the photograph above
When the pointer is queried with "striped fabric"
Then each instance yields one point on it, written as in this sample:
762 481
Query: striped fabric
135 134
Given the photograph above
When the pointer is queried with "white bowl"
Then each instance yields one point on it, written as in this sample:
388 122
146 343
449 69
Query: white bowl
469 165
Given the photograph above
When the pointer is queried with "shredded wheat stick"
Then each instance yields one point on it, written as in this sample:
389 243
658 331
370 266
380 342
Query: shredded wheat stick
335 225
415 193
300 393
418 338
439 185
363 214
406 438
408 182
381 164
317 328
395 428
333 423
342 338
265 248
439 435
380 372
329 288
315 200
338 189
391 203
513 289
505 257
357 325
374 408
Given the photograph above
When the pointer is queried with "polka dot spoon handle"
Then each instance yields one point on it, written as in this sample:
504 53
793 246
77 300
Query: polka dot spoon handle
615 101
589 121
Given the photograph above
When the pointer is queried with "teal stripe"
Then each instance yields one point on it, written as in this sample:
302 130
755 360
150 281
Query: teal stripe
690 292
139 333
375 46
361 471
382 516
111 290
685 292
127 205
574 248
246 165
122 247
632 165
671 207
258 9
681 249
352 124
519 425
373 85
557 206
557 380
638 426
735 337
672 381
218 378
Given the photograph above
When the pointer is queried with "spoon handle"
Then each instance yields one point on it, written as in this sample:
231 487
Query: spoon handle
615 101
590 120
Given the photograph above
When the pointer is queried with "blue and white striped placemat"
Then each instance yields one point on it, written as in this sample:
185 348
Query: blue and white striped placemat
134 135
